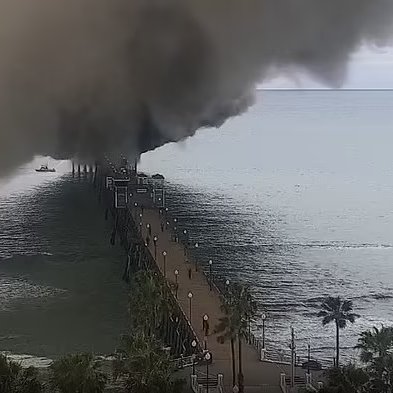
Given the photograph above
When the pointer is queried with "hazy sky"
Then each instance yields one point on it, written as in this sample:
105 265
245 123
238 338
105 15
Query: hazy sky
369 68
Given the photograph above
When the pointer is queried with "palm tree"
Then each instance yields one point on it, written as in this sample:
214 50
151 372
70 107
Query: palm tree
381 374
77 374
375 343
234 324
245 308
15 379
347 379
147 305
339 311
146 366
227 328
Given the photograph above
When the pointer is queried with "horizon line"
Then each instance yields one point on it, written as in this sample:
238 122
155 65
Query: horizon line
326 88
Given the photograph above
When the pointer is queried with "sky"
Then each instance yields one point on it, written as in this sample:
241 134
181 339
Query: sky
370 68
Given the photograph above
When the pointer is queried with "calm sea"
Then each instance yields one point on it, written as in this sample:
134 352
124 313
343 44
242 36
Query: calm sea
60 280
295 198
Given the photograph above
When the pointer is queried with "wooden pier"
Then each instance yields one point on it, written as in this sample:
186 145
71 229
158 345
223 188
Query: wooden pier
193 297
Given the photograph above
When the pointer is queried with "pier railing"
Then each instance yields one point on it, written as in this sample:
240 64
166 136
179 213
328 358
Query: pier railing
124 225
217 284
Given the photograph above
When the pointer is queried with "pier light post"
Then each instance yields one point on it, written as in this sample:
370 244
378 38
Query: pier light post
210 274
185 242
205 328
140 228
196 259
293 356
136 206
249 329
167 224
263 330
308 356
155 238
190 300
176 282
227 282
193 345
164 254
207 358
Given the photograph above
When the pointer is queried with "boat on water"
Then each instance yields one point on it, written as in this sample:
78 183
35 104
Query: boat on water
45 168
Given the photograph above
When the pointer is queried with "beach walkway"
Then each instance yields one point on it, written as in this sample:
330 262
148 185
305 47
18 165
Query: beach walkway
259 377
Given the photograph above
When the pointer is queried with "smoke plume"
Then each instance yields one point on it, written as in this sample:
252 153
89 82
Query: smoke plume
82 77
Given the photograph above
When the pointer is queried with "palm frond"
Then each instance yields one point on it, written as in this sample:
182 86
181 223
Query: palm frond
327 319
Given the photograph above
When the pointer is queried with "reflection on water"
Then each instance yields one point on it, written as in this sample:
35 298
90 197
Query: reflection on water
60 281
294 198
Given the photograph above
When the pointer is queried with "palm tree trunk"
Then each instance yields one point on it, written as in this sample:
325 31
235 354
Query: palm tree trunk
337 345
233 362
240 376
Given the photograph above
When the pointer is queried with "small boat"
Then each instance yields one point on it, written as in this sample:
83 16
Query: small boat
44 168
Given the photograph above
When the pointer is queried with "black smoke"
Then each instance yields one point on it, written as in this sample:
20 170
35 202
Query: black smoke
79 78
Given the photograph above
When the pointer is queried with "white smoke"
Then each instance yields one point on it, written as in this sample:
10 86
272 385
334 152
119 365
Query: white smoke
82 77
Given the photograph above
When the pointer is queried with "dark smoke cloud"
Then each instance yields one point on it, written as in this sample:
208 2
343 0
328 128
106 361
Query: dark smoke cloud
82 77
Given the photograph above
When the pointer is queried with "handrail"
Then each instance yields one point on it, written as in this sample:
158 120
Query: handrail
174 301
151 263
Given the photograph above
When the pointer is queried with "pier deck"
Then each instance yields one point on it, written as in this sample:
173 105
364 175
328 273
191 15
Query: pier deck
258 376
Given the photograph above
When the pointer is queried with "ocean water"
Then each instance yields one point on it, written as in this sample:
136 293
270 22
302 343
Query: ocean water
295 198
60 281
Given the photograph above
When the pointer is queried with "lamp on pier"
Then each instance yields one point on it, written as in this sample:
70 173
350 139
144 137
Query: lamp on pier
136 206
185 242
176 282
196 260
263 316
164 254
193 345
155 238
205 328
190 303
210 274
207 358
308 355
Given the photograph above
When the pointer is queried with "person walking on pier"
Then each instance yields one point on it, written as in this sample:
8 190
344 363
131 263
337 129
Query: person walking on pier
162 226
189 273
